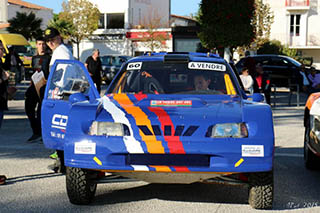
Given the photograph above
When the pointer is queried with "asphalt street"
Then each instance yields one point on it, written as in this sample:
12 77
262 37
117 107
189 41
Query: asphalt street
31 187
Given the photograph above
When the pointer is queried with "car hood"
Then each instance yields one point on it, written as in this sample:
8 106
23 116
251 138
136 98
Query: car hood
179 109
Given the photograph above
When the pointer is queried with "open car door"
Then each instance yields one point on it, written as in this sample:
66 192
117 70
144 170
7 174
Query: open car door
68 80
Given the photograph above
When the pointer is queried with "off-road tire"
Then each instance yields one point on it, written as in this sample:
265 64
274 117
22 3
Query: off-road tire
80 186
311 161
261 190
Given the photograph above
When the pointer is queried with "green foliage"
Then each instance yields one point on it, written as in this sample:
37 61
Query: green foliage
271 47
26 24
64 27
226 23
291 52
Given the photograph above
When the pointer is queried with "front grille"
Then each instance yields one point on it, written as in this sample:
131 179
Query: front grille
192 160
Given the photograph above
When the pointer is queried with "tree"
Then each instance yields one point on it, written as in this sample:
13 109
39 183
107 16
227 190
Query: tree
26 24
64 27
84 17
262 20
154 39
226 23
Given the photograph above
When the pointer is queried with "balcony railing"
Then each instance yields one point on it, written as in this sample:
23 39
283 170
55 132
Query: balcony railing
297 3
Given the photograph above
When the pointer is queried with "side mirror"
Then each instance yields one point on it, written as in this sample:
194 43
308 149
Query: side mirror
77 97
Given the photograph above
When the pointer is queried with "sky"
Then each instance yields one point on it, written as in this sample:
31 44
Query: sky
178 7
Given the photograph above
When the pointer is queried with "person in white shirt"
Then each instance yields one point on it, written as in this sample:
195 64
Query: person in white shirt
54 42
247 80
59 51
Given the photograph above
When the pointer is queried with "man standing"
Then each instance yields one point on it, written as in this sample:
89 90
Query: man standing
262 81
59 51
315 80
54 42
3 86
40 63
13 61
93 65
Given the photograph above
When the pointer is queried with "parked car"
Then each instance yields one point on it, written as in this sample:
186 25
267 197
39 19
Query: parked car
111 65
312 129
282 70
165 118
22 47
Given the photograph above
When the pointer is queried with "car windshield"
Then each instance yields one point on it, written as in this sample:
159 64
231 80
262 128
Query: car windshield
156 77
23 50
296 63
113 60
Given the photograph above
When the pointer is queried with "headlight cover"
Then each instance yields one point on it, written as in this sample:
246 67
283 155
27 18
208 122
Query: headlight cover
230 130
108 129
315 125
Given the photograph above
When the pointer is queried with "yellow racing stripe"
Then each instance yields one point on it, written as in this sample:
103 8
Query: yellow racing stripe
153 145
97 161
229 85
239 162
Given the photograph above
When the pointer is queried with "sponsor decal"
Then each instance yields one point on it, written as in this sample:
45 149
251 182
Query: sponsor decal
85 147
252 150
206 66
59 121
134 66
172 103
57 135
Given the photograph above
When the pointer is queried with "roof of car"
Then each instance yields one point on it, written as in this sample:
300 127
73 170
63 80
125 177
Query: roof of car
191 56
266 55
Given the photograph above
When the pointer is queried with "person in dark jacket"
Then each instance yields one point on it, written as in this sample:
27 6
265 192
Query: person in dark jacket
40 63
3 86
93 65
262 83
3 98
14 63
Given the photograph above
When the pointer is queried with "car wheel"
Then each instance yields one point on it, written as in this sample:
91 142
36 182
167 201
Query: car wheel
80 187
310 159
261 190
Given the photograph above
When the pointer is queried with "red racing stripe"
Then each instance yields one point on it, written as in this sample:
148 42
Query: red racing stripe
174 144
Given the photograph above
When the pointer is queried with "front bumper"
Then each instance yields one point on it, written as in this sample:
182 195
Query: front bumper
222 155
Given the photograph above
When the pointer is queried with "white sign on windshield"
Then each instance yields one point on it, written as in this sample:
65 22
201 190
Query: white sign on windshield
206 66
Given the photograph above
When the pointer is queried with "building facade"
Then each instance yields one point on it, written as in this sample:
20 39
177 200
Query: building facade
122 26
296 24
9 9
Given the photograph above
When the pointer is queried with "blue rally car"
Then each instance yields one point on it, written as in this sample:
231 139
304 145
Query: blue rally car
165 118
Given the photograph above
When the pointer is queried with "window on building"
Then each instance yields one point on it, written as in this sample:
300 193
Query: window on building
295 24
101 23
115 20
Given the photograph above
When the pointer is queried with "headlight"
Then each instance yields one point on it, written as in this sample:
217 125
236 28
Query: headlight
230 130
108 129
315 125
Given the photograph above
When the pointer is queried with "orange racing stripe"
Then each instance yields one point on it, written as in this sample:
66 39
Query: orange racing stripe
153 145
161 168
312 98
